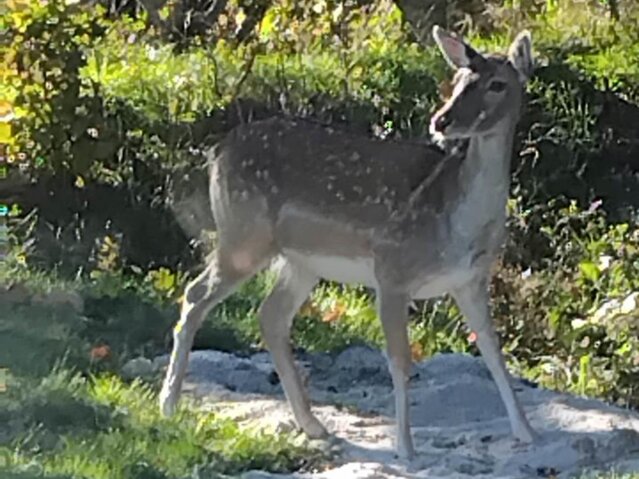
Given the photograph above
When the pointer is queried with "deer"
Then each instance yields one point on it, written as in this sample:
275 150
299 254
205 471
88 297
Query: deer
407 219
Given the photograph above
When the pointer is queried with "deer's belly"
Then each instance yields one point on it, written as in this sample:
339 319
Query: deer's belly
357 270
451 273
441 284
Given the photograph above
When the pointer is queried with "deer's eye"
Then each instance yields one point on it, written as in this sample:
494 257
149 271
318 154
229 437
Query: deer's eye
497 86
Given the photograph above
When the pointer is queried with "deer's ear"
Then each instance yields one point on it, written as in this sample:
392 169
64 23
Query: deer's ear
457 53
520 56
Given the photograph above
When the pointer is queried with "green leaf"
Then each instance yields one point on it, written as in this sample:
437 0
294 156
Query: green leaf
589 270
584 368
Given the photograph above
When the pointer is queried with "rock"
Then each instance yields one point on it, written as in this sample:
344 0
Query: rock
19 293
586 448
623 443
14 293
470 466
442 442
161 362
435 402
234 373
360 358
355 367
442 368
58 297
138 368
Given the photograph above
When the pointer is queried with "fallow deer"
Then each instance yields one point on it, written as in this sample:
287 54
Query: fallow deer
405 218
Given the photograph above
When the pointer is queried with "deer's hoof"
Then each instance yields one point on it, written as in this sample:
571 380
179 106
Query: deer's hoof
314 429
406 452
525 434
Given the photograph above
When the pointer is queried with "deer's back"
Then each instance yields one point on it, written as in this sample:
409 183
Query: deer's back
310 166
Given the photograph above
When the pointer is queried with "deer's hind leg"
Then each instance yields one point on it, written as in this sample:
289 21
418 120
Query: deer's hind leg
231 265
293 286
393 312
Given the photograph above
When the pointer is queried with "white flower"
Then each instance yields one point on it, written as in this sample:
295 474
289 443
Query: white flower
578 323
630 303
151 53
604 262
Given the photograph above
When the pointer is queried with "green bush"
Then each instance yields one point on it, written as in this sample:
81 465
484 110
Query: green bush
549 311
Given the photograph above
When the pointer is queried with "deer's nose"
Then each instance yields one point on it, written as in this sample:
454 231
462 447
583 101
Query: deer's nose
441 122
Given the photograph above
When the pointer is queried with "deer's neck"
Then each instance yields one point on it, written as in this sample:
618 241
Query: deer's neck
488 160
485 179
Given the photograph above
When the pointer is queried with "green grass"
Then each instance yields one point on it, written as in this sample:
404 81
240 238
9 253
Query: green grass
65 414
101 427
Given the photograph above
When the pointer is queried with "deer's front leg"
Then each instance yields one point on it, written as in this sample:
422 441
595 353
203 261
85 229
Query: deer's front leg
393 312
473 302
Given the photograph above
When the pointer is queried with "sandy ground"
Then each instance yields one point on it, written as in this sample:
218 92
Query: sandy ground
459 423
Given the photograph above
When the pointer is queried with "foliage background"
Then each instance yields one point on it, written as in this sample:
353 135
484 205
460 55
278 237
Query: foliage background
116 101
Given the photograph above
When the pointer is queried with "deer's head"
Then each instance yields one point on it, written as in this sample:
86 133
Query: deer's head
487 89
